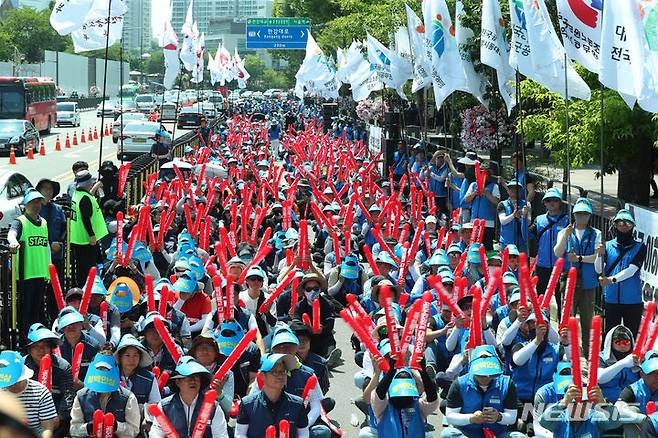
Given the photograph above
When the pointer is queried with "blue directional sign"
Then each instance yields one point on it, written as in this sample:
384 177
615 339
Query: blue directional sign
277 33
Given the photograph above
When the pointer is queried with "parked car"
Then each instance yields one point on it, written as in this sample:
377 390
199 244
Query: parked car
138 137
68 113
189 116
145 102
124 119
169 111
13 186
20 134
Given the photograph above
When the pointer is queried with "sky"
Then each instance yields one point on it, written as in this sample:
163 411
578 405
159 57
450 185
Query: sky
160 11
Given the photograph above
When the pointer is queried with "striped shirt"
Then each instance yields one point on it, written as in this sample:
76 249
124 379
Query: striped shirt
38 405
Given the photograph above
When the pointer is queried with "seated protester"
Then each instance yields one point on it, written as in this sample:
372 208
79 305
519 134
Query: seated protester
346 278
314 361
115 269
398 408
284 310
40 342
285 342
72 299
205 351
575 414
179 324
633 399
368 386
70 325
246 320
473 269
98 294
272 404
34 397
465 235
197 267
134 363
431 267
103 391
387 266
618 367
535 355
650 426
254 296
229 334
437 356
309 289
550 394
189 384
510 283
372 304
483 399
194 303
454 252
235 267
154 343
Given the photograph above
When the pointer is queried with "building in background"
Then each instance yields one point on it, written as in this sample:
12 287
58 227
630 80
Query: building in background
39 5
137 26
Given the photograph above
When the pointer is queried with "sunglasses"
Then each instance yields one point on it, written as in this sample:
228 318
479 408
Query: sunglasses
311 289
624 342
623 222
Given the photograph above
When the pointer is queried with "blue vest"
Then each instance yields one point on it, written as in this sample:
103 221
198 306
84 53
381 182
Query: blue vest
643 395
653 418
549 394
585 429
93 319
396 423
612 389
474 399
90 403
260 416
482 207
438 187
631 293
88 353
399 160
142 382
537 372
172 407
62 385
455 196
584 247
242 317
511 232
297 380
547 237
462 193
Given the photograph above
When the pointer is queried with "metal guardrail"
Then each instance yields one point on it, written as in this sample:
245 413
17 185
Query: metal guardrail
84 102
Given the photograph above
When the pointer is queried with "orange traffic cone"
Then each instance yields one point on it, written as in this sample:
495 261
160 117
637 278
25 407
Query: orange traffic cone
90 135
67 143
82 137
12 155
106 131
42 148
30 153
75 138
58 145
110 129
95 133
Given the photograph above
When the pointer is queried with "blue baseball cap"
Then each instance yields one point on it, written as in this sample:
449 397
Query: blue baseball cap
562 378
349 268
385 257
512 250
38 332
510 278
128 340
485 361
455 247
284 337
67 316
439 258
185 283
103 374
650 362
270 360
403 385
582 205
474 254
187 367
552 193
13 369
624 215
32 195
229 335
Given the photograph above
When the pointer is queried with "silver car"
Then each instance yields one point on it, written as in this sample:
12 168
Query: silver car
120 123
68 113
138 137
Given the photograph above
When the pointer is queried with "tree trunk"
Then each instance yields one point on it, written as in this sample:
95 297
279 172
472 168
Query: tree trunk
634 178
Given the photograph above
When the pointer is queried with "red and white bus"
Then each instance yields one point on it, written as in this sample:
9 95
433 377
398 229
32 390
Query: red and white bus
29 98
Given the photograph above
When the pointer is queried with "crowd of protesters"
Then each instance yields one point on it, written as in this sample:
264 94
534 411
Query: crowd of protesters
211 307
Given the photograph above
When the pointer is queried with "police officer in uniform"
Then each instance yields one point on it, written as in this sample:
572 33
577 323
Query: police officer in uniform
88 226
29 232
189 383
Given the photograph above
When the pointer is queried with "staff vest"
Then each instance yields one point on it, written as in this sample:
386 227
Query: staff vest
79 235
173 409
36 252
474 399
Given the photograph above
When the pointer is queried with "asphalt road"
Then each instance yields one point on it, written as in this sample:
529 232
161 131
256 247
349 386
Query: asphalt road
57 165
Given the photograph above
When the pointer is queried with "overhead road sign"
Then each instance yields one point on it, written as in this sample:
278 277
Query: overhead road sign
277 33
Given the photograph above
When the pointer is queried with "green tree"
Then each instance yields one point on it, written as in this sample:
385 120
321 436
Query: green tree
6 47
254 65
30 33
156 64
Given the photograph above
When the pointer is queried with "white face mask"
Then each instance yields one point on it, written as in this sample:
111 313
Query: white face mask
312 295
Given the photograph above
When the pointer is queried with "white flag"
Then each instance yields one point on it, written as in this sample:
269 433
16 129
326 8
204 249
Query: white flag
190 35
170 49
494 51
537 52
475 83
364 81
94 33
350 59
199 53
580 25
421 51
212 68
242 75
317 73
225 64
622 59
69 15
392 69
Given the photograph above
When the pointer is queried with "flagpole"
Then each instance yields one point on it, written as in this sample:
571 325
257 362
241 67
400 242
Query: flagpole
566 121
107 45
518 136
602 163
425 110
180 85
121 99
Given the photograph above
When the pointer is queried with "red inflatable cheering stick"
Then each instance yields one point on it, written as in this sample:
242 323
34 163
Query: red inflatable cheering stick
98 424
235 354
575 353
167 339
594 350
77 360
207 408
108 425
46 371
57 288
163 421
